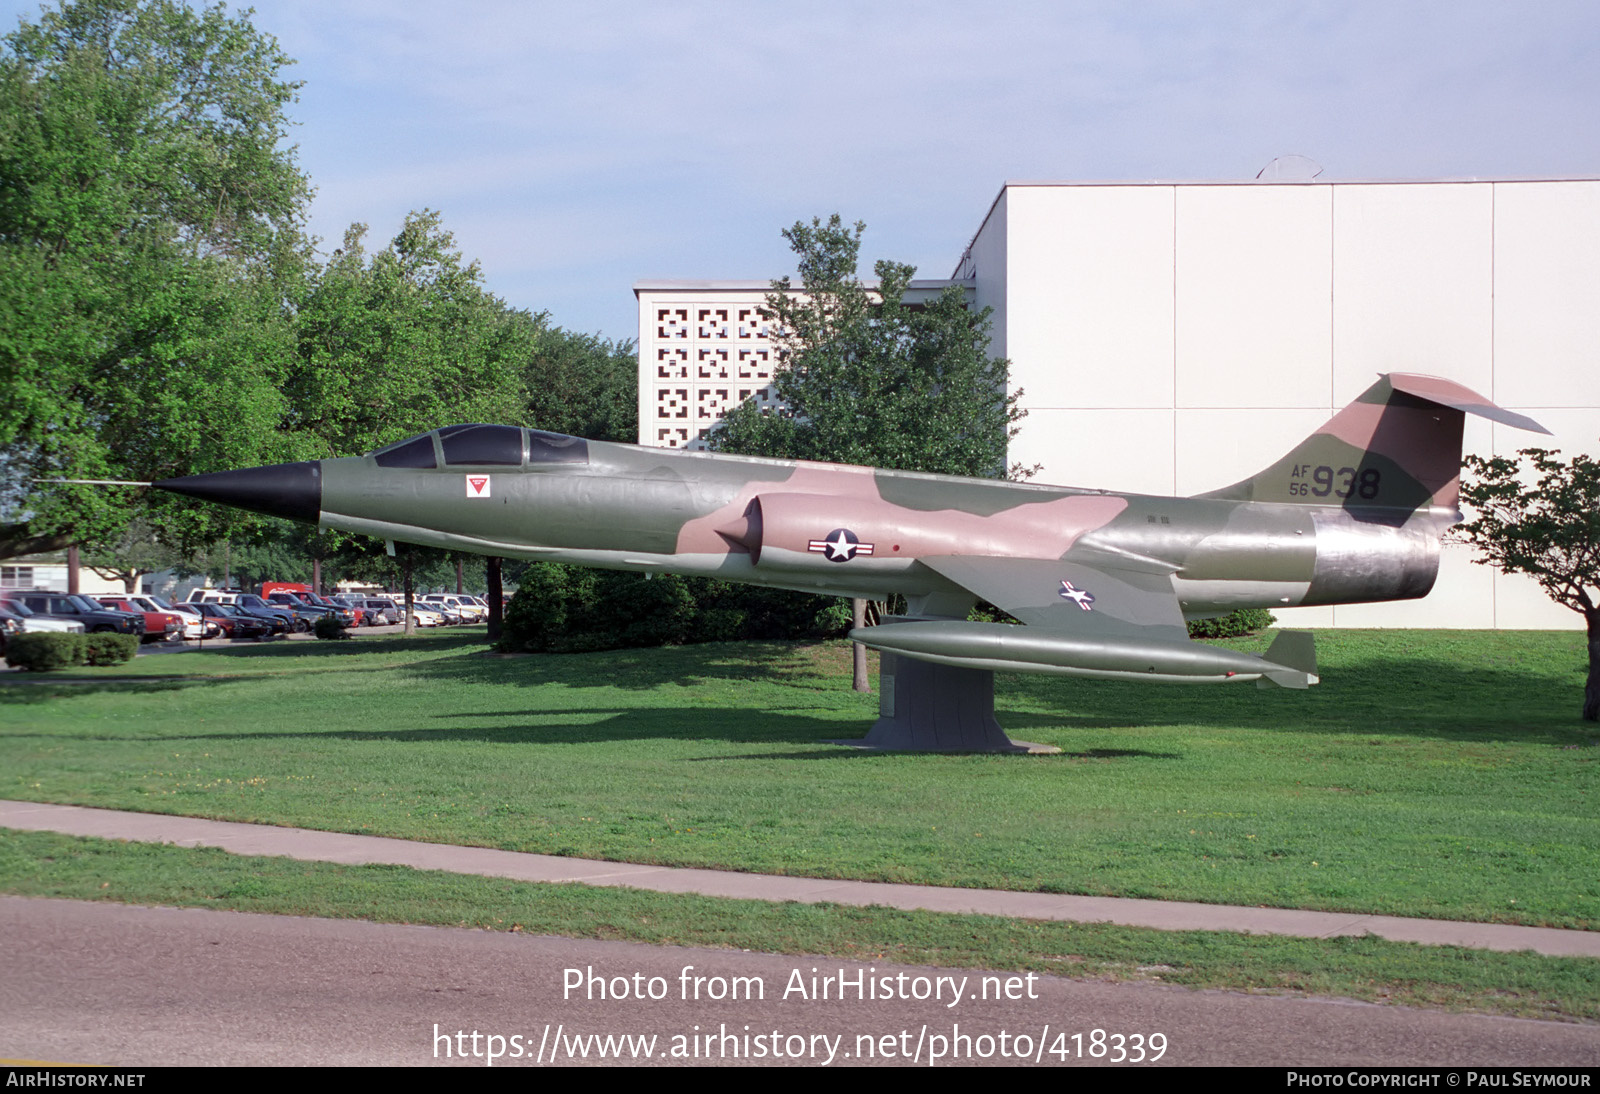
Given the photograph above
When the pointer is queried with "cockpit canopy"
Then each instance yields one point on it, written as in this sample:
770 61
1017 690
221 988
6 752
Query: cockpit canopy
478 445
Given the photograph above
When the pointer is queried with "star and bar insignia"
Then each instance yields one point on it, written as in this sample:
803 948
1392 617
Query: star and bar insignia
1082 598
841 546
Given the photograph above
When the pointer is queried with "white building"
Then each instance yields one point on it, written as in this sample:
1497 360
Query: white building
1171 338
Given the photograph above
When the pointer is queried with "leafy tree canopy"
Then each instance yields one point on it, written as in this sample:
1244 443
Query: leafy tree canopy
866 378
580 384
1550 529
149 225
398 342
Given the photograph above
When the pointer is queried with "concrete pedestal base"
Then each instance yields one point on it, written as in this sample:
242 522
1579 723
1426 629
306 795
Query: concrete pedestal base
923 707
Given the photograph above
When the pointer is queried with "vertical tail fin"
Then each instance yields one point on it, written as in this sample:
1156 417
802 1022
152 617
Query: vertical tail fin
1398 447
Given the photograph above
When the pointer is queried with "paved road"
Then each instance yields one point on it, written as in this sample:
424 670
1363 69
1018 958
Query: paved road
123 985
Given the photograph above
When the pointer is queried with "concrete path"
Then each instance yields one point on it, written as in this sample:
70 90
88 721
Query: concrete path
299 843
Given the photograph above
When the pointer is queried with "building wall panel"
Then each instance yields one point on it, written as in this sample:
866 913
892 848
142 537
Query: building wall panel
1091 295
1413 287
1254 315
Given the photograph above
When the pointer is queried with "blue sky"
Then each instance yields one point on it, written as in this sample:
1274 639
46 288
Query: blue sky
575 148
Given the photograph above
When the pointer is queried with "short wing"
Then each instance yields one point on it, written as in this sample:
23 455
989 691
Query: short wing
1089 601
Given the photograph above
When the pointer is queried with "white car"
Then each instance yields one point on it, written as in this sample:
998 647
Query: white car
34 623
452 604
424 616
195 625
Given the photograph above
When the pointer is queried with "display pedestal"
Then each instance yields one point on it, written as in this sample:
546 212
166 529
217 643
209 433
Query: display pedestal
924 707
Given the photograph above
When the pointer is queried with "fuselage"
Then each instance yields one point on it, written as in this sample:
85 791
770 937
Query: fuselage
855 531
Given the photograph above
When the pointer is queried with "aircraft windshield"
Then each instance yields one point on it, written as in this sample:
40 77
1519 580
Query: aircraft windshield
477 445
411 452
556 448
482 444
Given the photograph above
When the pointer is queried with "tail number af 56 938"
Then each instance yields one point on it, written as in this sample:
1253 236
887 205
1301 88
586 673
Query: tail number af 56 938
1341 484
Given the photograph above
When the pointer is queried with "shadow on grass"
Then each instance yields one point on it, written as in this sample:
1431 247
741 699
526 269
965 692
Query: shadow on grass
610 725
362 646
1501 689
1388 695
565 727
45 689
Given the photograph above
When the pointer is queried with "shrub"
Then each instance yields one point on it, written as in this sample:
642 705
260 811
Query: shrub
44 652
329 626
1236 624
559 608
109 649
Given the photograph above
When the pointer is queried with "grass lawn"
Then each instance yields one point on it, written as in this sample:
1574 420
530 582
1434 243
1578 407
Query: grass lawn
1432 773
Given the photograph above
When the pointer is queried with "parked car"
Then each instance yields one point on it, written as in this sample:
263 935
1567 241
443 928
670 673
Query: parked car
80 609
424 616
354 604
305 614
10 624
250 604
342 612
32 622
159 626
196 625
237 624
381 611
448 607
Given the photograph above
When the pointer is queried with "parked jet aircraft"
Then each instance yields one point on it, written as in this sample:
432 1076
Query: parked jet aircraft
1103 581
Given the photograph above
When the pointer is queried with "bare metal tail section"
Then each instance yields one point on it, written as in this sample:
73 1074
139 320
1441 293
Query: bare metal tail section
1396 448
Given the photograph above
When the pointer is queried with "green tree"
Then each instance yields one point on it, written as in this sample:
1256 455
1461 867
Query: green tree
581 384
866 378
1550 530
150 215
398 342
132 555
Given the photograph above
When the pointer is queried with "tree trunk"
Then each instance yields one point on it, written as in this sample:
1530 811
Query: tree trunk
72 569
496 591
1591 690
858 618
459 589
316 575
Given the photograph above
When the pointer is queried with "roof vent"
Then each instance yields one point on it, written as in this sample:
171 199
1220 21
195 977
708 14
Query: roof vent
1290 169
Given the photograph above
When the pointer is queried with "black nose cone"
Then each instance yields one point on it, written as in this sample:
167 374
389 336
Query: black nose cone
292 490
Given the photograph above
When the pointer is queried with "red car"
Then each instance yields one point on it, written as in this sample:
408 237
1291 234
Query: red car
159 626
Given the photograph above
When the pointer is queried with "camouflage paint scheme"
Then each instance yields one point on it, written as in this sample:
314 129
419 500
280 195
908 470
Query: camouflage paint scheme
1102 580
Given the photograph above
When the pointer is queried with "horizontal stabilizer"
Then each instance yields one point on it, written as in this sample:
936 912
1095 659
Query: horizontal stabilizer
1453 395
1397 447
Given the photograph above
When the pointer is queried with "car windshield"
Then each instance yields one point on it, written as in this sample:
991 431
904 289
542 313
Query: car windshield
17 607
84 603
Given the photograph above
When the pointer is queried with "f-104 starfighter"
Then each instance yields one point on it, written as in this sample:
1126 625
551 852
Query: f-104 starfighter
1101 581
